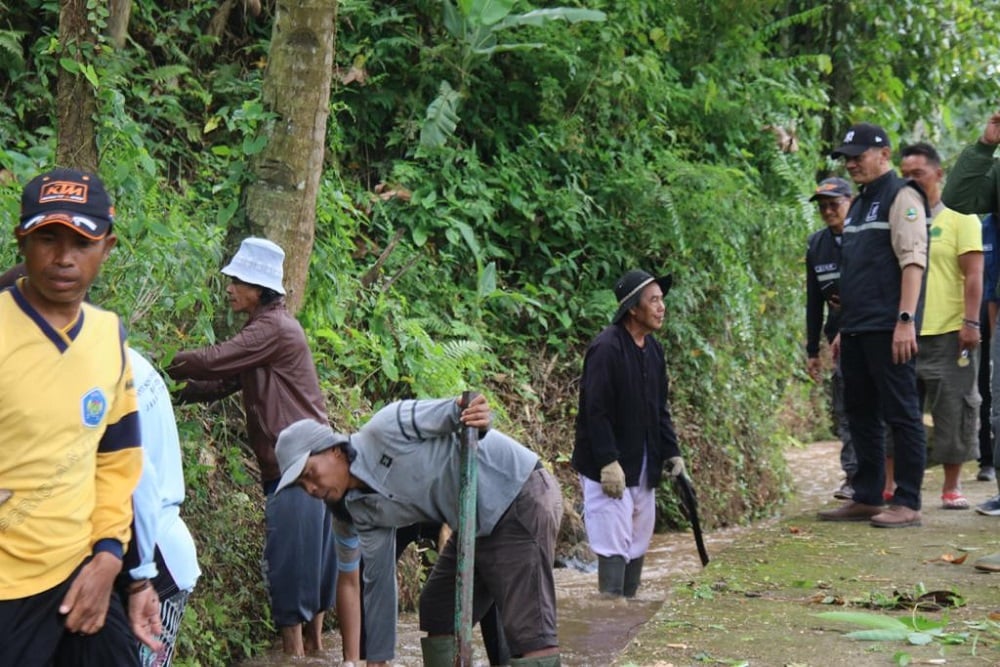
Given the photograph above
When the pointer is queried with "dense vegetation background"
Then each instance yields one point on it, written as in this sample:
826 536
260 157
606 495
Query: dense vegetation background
484 184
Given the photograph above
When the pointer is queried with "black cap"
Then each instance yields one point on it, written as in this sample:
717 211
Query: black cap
629 288
67 197
832 187
860 138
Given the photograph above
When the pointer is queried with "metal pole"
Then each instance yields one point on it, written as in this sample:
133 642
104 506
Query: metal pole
466 541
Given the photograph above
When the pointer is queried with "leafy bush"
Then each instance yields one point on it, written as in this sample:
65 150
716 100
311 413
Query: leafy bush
485 259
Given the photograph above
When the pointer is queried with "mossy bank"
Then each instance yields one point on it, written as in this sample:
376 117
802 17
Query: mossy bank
757 602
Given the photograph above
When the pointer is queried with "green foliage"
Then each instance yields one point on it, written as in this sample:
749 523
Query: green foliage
11 58
442 117
475 26
915 630
895 63
227 617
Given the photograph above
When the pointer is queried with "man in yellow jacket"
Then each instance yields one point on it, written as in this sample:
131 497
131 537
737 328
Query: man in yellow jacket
69 434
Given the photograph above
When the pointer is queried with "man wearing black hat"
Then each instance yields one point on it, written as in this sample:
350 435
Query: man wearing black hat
833 197
624 433
882 265
69 433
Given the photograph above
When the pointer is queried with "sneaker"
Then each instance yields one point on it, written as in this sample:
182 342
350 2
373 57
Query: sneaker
850 512
845 492
987 474
990 507
896 516
989 563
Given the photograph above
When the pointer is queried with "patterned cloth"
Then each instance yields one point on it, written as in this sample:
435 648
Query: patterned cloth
171 613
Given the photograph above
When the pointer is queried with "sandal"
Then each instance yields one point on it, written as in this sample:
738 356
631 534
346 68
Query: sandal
954 500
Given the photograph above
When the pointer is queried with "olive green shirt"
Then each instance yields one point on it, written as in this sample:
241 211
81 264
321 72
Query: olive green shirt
973 185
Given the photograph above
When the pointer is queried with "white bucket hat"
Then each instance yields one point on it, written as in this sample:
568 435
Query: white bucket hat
258 262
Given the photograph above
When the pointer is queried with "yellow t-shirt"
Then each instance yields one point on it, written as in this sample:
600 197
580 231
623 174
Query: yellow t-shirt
69 443
952 234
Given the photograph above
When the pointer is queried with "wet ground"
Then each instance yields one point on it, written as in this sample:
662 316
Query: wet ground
593 631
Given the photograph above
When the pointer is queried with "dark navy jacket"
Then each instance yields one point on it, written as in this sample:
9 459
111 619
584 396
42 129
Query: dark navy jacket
822 283
991 258
870 276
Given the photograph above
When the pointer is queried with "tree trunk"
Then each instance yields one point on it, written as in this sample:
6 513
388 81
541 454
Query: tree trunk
841 76
76 145
281 202
119 12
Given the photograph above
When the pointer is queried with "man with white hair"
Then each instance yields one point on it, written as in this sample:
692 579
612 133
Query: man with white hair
270 363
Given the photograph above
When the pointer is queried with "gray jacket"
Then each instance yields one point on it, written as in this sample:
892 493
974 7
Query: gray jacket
409 456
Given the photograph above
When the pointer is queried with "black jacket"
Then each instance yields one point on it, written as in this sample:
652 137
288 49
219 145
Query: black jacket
870 276
822 282
623 405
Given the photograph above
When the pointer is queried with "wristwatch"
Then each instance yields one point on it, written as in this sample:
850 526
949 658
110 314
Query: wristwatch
905 317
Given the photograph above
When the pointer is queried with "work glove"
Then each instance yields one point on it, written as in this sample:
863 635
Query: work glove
613 480
676 466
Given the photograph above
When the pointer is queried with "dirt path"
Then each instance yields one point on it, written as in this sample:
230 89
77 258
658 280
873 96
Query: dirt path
756 603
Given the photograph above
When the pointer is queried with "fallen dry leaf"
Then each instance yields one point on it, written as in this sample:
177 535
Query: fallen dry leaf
824 598
948 558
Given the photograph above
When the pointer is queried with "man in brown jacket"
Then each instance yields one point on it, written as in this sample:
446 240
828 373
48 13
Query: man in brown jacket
269 361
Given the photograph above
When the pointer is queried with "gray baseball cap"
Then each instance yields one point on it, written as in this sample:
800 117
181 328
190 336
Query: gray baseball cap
297 442
832 187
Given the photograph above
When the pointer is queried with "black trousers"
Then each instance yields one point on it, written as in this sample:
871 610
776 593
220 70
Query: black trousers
879 393
33 634
986 434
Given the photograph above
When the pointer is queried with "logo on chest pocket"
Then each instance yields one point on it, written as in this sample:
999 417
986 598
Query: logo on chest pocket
872 213
93 406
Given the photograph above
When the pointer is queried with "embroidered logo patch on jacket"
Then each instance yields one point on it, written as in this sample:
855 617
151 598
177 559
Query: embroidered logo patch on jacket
872 213
93 407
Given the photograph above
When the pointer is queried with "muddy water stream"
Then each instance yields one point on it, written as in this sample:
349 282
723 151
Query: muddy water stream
592 631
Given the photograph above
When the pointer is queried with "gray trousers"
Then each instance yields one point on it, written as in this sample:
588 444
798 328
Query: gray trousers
848 458
300 556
